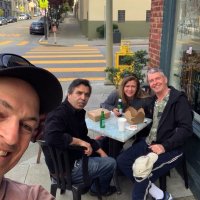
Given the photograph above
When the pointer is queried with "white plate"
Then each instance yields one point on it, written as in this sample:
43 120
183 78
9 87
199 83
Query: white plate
131 127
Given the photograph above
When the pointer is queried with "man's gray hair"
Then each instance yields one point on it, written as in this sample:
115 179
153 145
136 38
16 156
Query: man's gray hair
153 70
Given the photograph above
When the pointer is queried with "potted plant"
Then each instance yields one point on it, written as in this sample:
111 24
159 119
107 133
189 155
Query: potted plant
131 65
101 30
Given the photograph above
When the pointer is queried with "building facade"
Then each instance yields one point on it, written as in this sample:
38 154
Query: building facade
174 45
23 6
6 7
16 7
131 16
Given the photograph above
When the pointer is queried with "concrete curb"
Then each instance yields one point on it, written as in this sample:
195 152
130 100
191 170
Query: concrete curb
47 42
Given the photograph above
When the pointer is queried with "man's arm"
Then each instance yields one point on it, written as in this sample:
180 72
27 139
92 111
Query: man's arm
89 150
111 101
79 142
181 116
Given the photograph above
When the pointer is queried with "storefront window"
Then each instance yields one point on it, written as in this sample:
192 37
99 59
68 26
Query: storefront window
185 64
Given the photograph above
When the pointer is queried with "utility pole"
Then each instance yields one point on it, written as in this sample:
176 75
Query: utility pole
44 5
109 36
45 24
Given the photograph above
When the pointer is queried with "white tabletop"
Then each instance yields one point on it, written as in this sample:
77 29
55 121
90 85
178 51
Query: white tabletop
111 128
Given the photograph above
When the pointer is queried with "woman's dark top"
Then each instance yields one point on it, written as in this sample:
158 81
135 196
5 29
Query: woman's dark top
112 100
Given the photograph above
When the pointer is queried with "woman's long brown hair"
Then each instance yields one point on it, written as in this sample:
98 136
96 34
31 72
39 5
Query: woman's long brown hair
138 94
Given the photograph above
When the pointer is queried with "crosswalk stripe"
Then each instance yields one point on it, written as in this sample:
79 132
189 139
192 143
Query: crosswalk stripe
62 52
81 45
75 69
22 43
88 78
9 35
79 55
49 49
5 42
65 56
44 42
66 61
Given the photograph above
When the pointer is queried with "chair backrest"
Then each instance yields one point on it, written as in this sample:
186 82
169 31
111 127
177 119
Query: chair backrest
62 168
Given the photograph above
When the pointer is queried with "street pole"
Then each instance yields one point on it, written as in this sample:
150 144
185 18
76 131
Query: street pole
45 23
109 37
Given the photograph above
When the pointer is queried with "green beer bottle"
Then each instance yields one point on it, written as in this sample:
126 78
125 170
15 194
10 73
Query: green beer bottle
102 120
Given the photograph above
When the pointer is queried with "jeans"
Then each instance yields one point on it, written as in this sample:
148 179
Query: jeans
165 162
102 167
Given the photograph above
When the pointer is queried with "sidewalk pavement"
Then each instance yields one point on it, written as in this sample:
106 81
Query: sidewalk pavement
69 33
28 171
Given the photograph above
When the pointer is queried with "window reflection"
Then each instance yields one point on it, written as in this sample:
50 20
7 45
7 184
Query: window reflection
185 65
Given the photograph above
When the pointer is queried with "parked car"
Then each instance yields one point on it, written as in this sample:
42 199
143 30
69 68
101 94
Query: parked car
37 14
37 27
11 19
22 17
48 21
28 16
3 21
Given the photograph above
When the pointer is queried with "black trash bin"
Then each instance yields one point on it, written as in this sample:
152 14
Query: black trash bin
116 36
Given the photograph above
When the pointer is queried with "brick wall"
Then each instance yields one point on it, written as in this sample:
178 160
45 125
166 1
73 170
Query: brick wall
155 32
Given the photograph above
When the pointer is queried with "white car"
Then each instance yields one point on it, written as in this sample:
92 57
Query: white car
22 17
3 21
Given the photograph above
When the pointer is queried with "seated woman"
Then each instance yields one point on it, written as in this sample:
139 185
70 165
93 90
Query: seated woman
131 95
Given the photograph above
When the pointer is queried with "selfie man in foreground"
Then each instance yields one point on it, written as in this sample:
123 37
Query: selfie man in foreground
26 92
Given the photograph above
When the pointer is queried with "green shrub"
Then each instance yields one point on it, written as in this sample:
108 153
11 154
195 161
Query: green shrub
100 30
1 12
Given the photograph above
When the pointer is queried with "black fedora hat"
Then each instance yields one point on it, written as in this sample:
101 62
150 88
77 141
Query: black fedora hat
45 83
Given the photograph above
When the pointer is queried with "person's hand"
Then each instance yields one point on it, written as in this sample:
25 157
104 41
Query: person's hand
89 150
116 112
157 148
101 152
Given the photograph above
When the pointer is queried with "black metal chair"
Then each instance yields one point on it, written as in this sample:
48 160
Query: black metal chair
62 177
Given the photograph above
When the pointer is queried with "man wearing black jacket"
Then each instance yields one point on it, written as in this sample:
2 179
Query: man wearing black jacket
171 127
66 126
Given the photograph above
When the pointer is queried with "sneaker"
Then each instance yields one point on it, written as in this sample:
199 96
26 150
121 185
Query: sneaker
111 190
167 196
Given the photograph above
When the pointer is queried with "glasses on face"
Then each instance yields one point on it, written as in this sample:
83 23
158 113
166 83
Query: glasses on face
11 60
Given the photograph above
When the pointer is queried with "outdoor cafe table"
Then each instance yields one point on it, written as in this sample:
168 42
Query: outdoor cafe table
111 131
115 136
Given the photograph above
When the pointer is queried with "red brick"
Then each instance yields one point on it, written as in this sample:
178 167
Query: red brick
155 31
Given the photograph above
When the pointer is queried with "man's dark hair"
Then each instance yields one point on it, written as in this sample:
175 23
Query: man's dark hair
75 83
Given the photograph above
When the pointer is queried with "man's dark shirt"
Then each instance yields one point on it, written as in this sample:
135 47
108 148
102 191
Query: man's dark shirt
62 124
